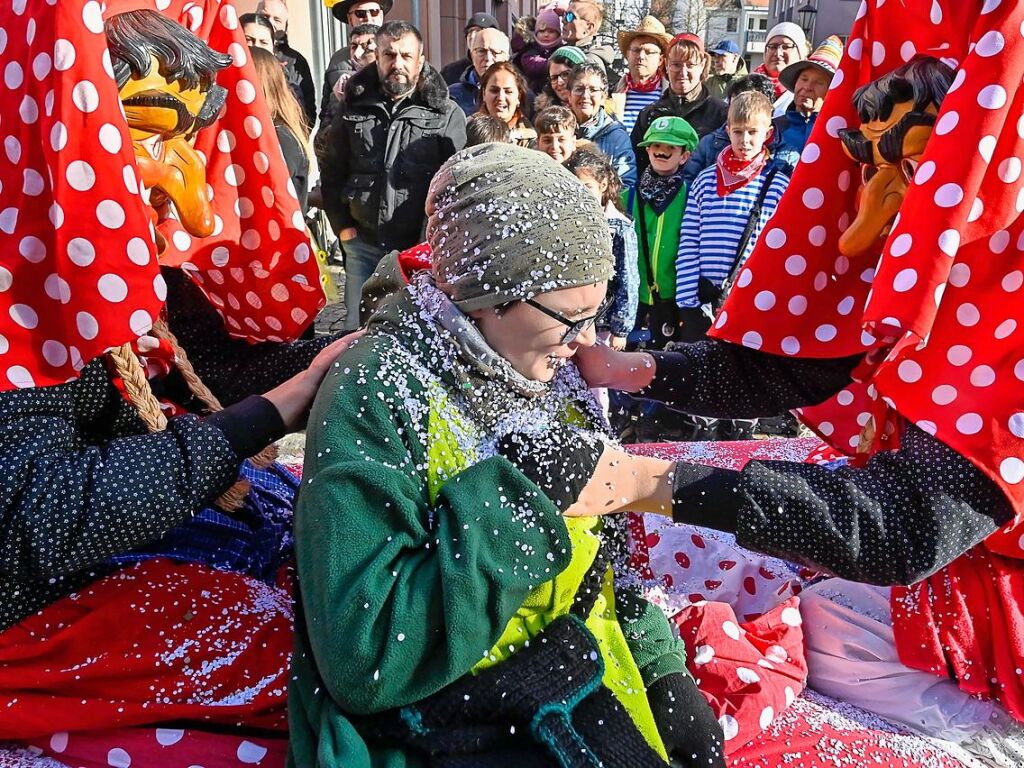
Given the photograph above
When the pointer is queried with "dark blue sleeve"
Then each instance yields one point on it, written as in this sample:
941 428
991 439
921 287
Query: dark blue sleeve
627 283
700 159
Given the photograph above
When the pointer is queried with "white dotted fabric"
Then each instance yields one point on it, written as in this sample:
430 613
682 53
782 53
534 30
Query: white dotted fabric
942 301
78 270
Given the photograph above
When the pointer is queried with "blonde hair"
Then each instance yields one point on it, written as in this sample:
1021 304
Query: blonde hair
748 106
690 53
283 106
594 5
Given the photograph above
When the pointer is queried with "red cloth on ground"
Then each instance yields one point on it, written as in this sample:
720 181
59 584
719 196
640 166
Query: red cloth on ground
161 748
936 308
79 271
154 643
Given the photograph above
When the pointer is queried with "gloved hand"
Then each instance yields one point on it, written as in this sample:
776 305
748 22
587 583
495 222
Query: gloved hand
688 727
560 459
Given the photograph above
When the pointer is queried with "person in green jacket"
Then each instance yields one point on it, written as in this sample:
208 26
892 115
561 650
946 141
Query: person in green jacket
657 206
453 608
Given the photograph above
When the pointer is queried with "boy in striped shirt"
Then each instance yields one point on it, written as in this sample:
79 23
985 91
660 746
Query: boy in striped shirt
719 211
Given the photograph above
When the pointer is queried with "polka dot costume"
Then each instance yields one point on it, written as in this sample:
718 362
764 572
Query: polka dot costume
939 305
79 272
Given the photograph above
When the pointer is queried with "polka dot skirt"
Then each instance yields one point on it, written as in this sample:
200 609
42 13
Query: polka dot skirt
939 305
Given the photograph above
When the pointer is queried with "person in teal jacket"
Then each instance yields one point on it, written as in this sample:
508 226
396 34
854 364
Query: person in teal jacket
452 607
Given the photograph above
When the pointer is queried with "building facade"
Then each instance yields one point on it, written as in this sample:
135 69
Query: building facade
831 17
745 22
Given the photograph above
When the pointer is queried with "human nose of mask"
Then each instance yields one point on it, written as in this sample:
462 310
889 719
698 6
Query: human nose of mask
586 338
880 201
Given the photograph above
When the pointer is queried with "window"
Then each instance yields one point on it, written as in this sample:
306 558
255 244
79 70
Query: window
731 24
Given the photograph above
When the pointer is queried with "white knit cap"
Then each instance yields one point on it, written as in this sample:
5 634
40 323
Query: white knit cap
792 31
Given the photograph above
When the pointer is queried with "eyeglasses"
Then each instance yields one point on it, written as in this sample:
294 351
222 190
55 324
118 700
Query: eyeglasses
775 47
366 47
367 13
575 327
649 51
581 90
495 52
561 77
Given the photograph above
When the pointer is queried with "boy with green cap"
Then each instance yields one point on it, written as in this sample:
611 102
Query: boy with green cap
657 204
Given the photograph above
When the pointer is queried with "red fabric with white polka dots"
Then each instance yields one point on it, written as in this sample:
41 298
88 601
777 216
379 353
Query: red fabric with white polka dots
940 304
78 271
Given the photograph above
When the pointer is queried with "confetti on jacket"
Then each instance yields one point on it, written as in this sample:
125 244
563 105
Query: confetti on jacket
79 272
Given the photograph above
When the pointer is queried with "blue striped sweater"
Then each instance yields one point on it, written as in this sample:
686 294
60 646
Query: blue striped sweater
636 101
712 227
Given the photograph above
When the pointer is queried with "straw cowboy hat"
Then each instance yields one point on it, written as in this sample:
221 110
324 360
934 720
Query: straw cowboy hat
649 27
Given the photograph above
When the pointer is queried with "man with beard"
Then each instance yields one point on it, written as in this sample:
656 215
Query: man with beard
395 128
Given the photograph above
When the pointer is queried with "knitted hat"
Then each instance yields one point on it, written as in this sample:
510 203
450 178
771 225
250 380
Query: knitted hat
826 57
671 130
792 31
548 20
507 223
572 53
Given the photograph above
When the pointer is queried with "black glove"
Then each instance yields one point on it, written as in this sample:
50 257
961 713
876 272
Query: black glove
561 460
688 727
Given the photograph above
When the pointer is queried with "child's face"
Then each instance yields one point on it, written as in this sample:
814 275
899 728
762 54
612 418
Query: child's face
558 145
665 158
597 189
547 36
747 139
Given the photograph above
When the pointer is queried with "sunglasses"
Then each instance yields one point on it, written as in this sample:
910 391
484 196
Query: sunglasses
367 13
574 327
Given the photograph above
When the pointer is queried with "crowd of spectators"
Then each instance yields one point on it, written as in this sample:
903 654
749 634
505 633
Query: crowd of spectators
699 146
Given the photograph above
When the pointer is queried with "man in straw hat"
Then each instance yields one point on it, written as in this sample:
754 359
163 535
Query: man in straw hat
644 50
808 80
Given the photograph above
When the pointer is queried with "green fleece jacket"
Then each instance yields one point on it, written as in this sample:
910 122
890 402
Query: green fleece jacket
414 561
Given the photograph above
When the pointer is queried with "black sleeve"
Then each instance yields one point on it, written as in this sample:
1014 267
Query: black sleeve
729 381
297 161
896 520
333 156
65 506
232 368
308 90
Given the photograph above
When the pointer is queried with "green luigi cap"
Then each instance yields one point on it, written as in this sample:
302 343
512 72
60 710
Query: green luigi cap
673 131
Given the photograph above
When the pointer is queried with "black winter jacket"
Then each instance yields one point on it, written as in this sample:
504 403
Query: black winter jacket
381 156
83 480
705 114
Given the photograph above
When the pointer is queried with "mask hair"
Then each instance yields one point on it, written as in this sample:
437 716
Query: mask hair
134 36
925 80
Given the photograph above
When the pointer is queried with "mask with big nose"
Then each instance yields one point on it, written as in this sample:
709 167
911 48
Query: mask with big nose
898 113
168 96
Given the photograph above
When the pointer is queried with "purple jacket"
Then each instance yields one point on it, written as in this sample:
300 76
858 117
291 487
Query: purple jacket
533 63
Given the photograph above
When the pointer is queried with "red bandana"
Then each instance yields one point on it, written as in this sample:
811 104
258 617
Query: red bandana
79 272
779 87
938 308
733 173
651 84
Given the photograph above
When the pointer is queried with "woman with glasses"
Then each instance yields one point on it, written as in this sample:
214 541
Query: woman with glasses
588 91
786 45
556 91
503 95
453 608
